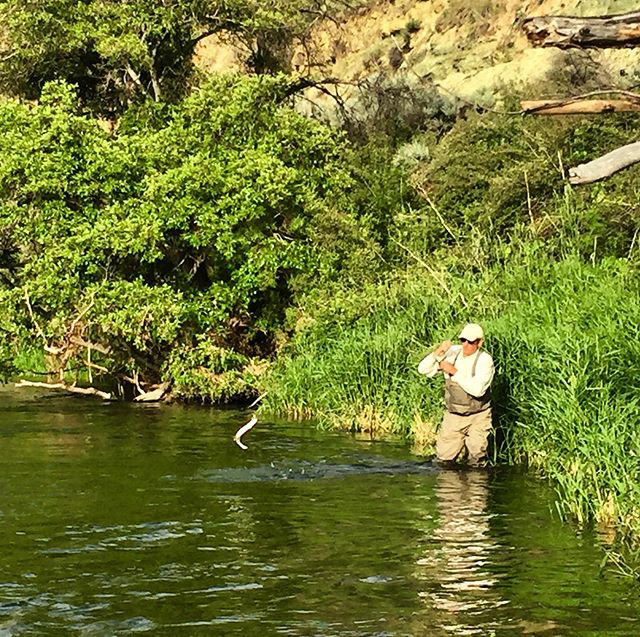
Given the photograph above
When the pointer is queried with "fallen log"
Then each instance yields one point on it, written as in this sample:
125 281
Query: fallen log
564 32
86 391
606 165
154 395
578 107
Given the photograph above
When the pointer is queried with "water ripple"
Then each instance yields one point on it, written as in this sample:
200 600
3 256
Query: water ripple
126 538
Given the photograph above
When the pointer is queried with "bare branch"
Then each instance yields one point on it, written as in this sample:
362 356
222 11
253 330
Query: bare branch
77 319
202 36
578 107
304 83
87 391
99 368
155 83
77 340
136 79
423 193
606 165
153 395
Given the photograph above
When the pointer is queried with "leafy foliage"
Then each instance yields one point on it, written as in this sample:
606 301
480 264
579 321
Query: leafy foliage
144 242
120 53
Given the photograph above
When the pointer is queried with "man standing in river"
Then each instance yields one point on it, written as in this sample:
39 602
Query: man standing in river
468 373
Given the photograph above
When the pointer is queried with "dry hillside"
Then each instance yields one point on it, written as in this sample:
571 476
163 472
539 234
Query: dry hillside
473 50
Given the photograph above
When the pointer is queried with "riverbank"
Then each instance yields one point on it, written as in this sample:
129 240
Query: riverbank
550 271
564 337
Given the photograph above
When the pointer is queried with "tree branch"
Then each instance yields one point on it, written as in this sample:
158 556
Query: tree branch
578 107
202 36
153 395
606 165
136 80
564 32
306 82
87 391
77 340
155 83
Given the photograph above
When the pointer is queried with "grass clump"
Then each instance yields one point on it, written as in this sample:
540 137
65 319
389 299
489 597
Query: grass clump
565 339
549 270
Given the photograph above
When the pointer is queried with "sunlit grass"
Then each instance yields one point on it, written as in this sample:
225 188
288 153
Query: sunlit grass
566 342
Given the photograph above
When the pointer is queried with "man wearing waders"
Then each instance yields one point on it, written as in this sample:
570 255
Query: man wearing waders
468 373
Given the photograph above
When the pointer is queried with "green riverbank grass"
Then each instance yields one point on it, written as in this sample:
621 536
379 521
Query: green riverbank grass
566 342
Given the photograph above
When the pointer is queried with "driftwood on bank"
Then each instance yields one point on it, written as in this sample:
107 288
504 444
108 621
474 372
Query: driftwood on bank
578 107
606 165
86 391
616 31
154 395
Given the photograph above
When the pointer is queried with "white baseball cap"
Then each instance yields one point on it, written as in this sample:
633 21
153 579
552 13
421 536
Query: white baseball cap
472 332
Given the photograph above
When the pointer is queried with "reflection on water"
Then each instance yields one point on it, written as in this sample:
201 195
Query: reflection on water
455 562
121 519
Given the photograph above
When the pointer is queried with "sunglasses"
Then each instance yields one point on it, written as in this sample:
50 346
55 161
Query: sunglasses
466 340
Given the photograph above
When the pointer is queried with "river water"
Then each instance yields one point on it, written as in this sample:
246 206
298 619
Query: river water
125 519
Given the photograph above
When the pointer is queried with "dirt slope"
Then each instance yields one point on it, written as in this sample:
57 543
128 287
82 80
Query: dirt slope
471 49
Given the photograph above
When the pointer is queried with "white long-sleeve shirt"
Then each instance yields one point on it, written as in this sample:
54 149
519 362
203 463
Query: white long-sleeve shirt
475 385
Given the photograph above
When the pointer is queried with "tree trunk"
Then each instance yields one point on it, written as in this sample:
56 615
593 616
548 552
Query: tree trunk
606 165
565 32
577 107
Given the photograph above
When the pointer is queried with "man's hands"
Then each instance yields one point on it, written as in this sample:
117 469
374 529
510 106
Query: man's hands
449 368
439 354
442 349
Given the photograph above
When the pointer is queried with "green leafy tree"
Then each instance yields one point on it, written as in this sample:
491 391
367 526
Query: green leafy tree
122 52
192 234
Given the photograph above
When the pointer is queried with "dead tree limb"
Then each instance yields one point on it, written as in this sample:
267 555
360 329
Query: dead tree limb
565 32
89 365
578 107
304 83
532 107
77 340
606 165
86 391
154 395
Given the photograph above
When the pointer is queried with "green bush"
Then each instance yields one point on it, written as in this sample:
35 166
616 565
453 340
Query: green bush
203 219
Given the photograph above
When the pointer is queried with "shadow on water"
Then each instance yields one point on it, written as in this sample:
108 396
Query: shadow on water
305 470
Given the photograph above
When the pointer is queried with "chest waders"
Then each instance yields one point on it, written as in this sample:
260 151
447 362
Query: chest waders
458 401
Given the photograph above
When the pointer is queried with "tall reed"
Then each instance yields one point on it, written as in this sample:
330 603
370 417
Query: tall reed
565 337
